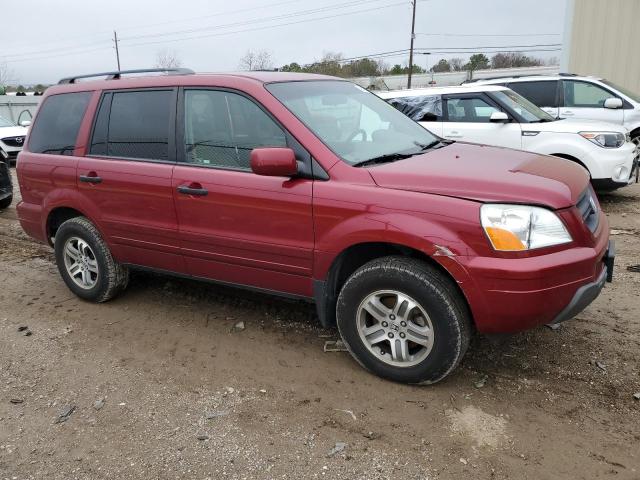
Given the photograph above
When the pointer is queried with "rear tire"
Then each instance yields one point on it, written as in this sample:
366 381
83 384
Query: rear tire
85 262
410 300
5 202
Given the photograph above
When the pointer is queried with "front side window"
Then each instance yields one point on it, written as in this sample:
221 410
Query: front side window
583 94
58 122
526 111
355 124
469 110
422 108
632 95
542 94
221 128
133 125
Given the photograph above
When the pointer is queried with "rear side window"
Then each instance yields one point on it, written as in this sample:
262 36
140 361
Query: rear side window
542 94
424 108
56 127
133 125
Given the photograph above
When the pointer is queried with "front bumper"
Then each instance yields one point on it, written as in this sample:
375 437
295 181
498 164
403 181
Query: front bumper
589 292
508 295
612 168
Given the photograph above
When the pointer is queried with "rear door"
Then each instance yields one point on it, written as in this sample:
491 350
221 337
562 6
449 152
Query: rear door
466 118
236 226
425 109
126 176
585 100
543 93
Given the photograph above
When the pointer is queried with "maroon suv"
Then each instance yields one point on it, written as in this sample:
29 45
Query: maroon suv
311 187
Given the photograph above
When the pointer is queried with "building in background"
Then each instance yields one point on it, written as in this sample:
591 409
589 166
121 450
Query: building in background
601 39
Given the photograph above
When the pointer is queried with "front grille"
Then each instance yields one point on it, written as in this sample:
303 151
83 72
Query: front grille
588 208
14 141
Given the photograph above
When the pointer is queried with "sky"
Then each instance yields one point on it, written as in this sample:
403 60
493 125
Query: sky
66 37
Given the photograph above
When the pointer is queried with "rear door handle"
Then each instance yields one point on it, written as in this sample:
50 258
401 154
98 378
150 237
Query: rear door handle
453 135
192 189
567 112
90 178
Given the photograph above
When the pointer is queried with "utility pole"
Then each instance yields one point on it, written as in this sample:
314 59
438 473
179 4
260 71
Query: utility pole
115 40
413 36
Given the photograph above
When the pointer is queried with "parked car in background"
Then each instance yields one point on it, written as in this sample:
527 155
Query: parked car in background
11 139
311 187
6 186
575 96
496 115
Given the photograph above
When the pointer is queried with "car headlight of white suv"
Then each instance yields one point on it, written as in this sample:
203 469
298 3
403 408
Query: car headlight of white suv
522 227
605 139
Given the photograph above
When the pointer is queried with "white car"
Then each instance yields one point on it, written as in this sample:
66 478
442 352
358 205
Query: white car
572 96
496 115
11 139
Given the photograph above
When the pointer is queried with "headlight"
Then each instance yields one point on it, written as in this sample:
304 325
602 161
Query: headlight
605 139
521 227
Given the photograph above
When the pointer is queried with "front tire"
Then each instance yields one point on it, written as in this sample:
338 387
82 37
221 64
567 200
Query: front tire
5 202
85 262
404 320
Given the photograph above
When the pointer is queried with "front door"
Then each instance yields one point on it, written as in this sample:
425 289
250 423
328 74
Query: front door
126 177
236 226
585 100
467 119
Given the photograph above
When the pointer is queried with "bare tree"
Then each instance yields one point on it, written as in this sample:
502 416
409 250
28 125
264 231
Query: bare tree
456 64
6 75
168 59
256 60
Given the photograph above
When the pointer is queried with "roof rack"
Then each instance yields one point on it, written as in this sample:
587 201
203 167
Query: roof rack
117 74
503 76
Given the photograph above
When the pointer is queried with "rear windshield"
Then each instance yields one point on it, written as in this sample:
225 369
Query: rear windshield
57 123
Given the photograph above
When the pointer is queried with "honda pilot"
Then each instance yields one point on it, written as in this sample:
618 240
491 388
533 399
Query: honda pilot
311 187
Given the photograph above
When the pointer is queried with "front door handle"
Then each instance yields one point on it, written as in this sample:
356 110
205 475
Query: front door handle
453 135
91 177
193 189
567 112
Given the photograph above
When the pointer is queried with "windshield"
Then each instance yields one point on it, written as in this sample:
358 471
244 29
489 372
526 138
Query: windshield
523 107
354 123
6 123
632 95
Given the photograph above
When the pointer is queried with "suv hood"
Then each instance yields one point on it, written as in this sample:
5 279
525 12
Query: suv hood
571 125
487 174
13 132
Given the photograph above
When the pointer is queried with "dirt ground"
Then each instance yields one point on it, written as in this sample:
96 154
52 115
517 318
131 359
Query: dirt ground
182 395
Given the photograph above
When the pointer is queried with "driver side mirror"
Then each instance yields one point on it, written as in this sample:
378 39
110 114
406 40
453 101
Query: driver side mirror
25 123
499 117
613 103
274 162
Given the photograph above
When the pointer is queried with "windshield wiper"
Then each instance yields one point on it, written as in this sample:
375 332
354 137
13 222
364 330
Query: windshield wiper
389 157
436 143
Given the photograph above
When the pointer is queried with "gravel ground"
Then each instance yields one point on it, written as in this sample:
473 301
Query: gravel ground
159 384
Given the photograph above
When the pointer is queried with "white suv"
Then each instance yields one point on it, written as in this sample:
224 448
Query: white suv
11 139
571 96
496 115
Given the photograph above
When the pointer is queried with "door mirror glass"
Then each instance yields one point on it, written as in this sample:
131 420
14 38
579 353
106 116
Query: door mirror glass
499 117
274 162
613 103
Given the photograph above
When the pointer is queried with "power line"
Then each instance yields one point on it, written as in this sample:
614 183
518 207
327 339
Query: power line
209 35
352 3
489 34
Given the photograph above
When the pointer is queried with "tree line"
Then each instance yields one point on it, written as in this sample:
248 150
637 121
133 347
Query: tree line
335 64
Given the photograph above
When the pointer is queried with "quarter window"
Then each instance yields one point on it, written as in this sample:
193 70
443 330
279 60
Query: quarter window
423 108
583 94
58 122
133 125
469 110
221 128
542 94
